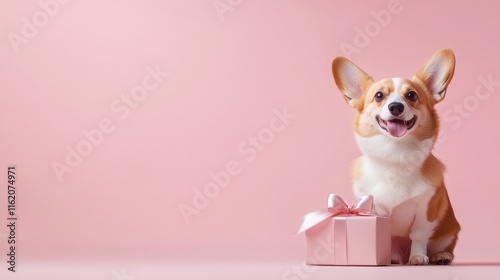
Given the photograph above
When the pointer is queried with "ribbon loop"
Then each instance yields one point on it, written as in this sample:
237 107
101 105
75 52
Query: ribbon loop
362 206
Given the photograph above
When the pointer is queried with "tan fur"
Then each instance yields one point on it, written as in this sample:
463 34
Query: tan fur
356 171
439 206
423 74
440 209
433 170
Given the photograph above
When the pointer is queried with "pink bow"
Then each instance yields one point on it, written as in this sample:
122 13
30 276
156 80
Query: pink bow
362 206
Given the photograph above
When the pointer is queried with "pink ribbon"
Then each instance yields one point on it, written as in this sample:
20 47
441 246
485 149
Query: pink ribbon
362 206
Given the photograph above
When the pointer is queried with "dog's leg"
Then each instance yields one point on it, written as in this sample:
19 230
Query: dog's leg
421 231
441 251
442 258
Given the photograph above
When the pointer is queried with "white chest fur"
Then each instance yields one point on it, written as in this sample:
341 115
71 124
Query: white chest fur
391 173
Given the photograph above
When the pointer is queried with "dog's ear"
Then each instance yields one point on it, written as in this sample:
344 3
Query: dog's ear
437 73
350 79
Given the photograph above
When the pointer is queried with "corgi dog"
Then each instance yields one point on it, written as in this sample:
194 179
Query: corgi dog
396 127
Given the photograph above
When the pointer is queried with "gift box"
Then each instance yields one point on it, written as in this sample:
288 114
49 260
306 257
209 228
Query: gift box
347 235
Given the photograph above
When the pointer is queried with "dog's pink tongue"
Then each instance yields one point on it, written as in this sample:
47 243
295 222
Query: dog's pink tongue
396 128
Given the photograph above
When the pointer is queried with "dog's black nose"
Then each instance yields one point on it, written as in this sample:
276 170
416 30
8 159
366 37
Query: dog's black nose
396 108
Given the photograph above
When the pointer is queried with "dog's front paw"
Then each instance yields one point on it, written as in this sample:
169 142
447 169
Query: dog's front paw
442 258
419 260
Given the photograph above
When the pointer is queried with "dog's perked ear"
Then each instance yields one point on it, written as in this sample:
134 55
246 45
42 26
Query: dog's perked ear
437 73
350 79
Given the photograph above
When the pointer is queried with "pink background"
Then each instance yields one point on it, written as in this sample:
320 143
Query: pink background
226 76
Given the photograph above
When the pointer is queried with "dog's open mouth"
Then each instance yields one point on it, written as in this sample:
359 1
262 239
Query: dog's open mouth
396 127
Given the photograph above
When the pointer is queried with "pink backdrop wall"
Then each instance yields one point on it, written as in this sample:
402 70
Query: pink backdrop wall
231 66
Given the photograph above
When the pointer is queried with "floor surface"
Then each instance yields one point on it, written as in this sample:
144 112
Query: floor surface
243 271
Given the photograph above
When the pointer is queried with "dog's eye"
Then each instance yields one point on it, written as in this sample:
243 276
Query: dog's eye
411 95
379 96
